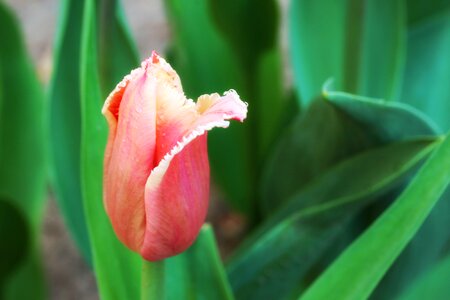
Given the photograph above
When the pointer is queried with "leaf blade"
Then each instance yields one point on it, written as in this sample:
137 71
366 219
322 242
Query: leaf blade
391 232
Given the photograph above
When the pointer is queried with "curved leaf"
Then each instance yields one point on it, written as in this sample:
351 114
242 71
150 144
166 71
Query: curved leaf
65 123
275 259
301 156
358 270
393 121
389 121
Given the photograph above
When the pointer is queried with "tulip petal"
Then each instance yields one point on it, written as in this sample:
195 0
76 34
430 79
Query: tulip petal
177 190
131 114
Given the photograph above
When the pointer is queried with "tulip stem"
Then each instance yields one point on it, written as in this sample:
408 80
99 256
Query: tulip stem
152 286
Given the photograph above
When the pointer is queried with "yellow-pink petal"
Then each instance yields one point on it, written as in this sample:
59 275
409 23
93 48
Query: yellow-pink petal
156 180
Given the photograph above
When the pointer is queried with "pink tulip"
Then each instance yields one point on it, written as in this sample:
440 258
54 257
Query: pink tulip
156 169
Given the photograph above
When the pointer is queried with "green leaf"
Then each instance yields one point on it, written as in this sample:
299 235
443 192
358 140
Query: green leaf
301 156
270 100
356 273
15 242
206 64
22 160
197 273
428 47
117 268
65 123
354 123
362 54
431 285
424 250
383 49
389 121
394 121
280 254
316 47
419 10
253 35
250 31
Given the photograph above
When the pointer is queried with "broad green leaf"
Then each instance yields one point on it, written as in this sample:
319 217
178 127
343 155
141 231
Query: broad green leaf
206 64
304 151
389 121
353 123
431 285
65 123
425 83
358 270
280 254
22 158
197 273
117 268
430 240
362 54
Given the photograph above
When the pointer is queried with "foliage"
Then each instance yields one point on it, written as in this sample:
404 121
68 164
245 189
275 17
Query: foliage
342 174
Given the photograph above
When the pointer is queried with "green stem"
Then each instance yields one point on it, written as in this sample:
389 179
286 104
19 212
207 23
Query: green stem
150 287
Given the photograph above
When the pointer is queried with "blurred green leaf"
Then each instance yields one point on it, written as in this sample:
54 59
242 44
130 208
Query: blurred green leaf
253 35
14 230
383 49
22 157
206 64
270 100
117 268
431 285
251 31
65 123
197 273
358 270
278 256
316 48
362 54
425 83
419 10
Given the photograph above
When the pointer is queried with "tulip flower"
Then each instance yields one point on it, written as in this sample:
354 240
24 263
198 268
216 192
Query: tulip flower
156 169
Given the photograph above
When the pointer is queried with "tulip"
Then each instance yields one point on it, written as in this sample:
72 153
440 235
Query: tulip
156 169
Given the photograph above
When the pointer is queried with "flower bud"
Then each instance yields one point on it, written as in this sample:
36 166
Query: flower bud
156 169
